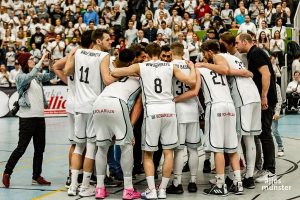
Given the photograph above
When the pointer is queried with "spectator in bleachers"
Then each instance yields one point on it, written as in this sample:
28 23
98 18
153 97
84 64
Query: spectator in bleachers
175 33
277 46
122 3
69 31
279 13
45 46
286 10
194 48
117 17
276 68
254 10
279 27
179 7
4 76
260 18
227 15
201 10
21 38
10 58
37 38
43 14
165 31
51 34
150 31
269 10
45 26
57 48
240 10
174 19
18 6
247 26
130 34
91 26
189 6
36 53
159 40
234 26
186 20
104 4
7 4
190 33
80 25
59 29
56 14
91 15
296 63
73 44
102 24
69 5
263 41
161 8
265 29
206 21
68 17
13 73
140 37
148 16
293 92
240 17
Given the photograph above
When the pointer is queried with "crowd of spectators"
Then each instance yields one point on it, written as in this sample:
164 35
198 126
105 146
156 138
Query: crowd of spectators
56 25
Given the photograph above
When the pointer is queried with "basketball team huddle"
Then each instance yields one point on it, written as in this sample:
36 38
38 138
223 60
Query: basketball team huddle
106 97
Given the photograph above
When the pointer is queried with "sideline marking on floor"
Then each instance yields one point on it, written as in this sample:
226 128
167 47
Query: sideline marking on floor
49 193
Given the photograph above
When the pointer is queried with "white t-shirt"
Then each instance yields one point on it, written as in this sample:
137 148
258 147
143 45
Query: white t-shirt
56 53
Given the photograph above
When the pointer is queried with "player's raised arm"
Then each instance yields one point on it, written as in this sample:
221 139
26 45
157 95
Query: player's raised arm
58 69
132 70
220 65
190 79
193 92
107 78
70 64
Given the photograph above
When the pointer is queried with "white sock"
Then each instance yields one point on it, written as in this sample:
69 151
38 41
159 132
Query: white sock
100 181
128 182
193 163
177 180
164 183
151 182
237 176
220 180
86 179
74 176
207 155
193 179
250 154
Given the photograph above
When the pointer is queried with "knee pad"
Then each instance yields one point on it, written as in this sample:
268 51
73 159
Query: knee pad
90 150
79 148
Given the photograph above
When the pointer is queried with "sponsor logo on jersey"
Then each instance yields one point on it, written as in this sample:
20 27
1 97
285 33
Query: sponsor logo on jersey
162 115
225 114
98 111
88 53
181 66
156 65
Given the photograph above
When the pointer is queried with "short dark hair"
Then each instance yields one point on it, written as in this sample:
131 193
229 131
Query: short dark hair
126 56
166 48
98 34
138 49
86 39
295 72
211 45
177 48
153 49
228 38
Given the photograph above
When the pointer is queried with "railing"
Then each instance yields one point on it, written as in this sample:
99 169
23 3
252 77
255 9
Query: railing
296 24
284 79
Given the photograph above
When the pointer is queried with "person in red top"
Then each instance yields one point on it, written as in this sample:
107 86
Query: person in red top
201 9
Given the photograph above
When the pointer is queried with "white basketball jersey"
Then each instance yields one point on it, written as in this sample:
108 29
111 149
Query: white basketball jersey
70 104
124 89
187 111
243 90
214 87
156 83
88 80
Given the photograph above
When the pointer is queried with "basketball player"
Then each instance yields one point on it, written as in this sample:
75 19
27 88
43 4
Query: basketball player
111 117
188 127
91 70
159 112
220 122
69 80
246 100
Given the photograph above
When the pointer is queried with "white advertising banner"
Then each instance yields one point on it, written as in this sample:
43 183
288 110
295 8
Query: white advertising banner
56 97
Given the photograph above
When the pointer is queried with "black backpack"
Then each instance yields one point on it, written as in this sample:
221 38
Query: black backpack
293 48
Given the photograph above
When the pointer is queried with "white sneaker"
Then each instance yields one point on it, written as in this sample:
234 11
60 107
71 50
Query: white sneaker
72 191
87 191
266 177
162 193
280 152
149 194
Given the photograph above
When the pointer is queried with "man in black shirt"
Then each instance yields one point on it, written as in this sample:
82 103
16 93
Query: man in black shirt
264 77
150 31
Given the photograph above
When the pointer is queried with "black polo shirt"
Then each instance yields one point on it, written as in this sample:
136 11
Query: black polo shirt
256 59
